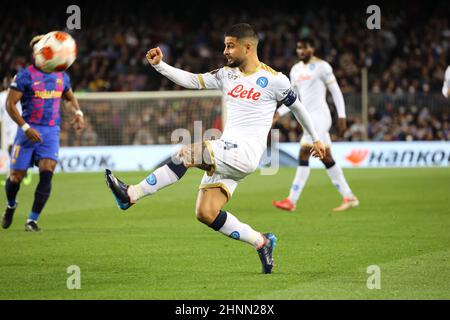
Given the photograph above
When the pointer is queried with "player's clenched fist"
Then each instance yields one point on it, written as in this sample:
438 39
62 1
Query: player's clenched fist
318 149
154 56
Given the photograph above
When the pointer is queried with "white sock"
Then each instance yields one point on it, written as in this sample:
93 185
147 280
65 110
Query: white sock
299 183
337 178
160 178
235 229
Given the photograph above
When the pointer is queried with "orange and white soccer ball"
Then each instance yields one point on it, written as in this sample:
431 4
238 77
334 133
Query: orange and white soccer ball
55 52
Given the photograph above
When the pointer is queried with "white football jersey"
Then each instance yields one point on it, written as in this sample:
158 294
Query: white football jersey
310 81
251 100
11 126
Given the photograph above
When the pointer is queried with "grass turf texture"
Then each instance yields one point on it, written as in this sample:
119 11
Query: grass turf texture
157 249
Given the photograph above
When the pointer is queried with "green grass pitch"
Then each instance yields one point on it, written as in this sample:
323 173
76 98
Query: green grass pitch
157 249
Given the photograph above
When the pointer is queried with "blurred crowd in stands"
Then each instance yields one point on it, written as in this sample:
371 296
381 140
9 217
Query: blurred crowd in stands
405 124
408 55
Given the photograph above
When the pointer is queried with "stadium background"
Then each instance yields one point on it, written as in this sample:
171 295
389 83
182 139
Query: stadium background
406 59
402 224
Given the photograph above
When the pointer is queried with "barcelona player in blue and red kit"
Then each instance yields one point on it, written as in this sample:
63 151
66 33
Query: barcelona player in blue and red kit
37 139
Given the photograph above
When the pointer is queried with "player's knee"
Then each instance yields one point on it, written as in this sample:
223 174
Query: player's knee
328 162
305 153
47 165
16 176
206 214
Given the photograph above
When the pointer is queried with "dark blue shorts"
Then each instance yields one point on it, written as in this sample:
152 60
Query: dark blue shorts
26 154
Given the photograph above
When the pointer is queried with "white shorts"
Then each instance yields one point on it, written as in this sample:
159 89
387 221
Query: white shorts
231 164
322 124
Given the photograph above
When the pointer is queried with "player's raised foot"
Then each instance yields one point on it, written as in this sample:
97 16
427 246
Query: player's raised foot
8 216
285 204
119 190
347 203
266 252
32 226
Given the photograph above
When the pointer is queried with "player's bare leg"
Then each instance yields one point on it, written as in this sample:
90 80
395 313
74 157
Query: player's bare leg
349 200
210 201
301 176
12 187
42 193
190 156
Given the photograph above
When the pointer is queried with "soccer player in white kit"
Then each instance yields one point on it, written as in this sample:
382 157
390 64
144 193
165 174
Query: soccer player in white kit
252 91
310 78
446 86
10 125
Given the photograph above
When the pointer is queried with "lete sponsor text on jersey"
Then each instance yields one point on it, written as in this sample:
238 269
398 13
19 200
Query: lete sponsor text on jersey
239 92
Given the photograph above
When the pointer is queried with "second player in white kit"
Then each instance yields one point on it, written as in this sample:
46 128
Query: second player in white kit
10 125
446 85
252 91
311 77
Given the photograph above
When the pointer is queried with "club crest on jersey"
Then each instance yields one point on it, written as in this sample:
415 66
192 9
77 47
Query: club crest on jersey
239 92
262 82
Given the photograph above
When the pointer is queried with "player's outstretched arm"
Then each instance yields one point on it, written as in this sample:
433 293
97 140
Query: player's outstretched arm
338 99
74 106
13 98
183 78
303 117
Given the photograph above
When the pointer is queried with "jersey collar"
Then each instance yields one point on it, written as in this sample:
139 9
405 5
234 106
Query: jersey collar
246 74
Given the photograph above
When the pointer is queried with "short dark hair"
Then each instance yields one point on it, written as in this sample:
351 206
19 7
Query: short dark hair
242 30
307 40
